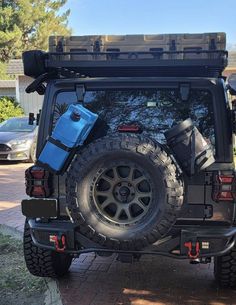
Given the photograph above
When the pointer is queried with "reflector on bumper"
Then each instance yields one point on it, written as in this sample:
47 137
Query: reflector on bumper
39 207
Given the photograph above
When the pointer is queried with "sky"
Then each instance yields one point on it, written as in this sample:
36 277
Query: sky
90 17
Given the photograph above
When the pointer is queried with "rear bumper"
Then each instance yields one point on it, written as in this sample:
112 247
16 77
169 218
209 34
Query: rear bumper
212 241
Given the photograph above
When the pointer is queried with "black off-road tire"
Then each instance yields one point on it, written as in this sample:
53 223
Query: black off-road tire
165 182
41 262
225 269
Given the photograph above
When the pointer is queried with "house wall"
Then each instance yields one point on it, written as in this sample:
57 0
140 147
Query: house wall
29 102
11 92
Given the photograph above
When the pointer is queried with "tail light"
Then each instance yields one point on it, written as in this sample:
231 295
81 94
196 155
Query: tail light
38 181
224 188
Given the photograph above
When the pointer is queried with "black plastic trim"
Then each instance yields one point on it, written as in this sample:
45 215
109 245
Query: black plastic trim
39 207
59 144
63 227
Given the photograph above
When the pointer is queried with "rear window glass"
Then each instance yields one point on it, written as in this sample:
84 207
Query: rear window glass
156 110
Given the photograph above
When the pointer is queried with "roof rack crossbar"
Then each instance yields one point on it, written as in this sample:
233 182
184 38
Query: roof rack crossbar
223 52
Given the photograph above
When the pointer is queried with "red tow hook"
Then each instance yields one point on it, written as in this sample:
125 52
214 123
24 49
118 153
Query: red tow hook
59 242
193 249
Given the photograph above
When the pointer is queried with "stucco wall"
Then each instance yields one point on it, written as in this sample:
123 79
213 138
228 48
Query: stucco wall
8 92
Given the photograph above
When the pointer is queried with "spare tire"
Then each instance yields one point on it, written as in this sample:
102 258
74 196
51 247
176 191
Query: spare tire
124 191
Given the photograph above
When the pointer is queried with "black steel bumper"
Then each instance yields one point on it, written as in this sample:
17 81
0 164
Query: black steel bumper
188 242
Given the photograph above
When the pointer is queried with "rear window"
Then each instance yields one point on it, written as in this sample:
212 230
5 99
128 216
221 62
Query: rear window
156 110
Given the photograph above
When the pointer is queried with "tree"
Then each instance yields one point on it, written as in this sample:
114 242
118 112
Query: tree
27 24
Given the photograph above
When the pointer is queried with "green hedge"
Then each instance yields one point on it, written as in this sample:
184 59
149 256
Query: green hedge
9 108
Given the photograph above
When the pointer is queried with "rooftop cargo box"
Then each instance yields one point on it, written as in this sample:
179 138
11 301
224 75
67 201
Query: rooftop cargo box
141 43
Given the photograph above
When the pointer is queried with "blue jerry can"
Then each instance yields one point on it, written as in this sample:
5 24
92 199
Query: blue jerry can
71 130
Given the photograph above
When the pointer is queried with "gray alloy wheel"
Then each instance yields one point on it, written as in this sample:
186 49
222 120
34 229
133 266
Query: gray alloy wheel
123 193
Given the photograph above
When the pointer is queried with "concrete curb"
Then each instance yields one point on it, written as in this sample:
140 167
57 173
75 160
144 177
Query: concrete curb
7 230
52 294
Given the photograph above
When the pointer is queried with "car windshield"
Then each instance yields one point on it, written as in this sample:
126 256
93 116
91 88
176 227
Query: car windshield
16 125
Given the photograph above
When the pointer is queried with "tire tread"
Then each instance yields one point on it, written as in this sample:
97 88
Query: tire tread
141 146
225 269
42 262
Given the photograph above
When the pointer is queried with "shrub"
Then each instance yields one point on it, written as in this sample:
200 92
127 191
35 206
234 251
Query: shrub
9 108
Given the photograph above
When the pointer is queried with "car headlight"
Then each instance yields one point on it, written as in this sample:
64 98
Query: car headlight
23 142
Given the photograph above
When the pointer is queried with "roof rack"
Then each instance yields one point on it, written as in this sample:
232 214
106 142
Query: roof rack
191 63
161 55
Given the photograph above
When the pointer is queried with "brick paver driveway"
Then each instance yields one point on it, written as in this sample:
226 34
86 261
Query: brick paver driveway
104 281
12 190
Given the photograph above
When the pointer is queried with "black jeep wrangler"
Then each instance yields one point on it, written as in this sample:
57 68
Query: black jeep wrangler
156 173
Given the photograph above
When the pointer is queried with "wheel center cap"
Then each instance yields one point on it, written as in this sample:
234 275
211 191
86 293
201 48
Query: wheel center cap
124 191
